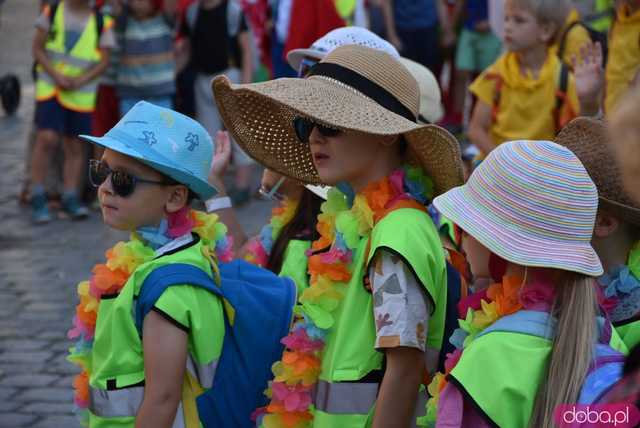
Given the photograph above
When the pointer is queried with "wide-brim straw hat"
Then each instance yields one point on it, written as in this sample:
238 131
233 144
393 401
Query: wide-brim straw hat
354 88
531 203
589 140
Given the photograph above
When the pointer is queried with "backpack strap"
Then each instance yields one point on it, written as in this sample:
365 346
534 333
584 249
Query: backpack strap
561 95
562 44
495 106
164 277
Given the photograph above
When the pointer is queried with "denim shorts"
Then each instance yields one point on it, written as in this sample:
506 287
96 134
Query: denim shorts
50 114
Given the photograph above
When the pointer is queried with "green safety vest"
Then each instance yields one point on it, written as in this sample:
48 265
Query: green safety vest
602 17
629 332
346 10
117 374
345 396
500 372
295 263
83 56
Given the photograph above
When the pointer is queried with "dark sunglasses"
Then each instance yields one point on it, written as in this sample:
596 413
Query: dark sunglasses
304 127
123 183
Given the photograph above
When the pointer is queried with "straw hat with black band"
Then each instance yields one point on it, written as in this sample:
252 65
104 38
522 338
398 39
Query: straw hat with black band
589 140
354 88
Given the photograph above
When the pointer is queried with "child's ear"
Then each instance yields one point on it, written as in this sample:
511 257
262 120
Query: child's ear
548 32
178 198
606 225
387 140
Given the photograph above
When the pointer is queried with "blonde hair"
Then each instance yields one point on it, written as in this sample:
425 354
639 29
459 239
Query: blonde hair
576 309
552 12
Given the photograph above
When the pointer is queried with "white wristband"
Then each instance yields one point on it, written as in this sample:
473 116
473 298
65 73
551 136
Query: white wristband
215 204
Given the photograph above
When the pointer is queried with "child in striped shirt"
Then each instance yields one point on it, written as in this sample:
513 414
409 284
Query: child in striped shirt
147 65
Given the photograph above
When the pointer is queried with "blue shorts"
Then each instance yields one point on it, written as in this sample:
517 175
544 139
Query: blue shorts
51 115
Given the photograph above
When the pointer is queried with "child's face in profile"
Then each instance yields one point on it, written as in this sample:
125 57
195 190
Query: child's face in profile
477 256
144 207
522 30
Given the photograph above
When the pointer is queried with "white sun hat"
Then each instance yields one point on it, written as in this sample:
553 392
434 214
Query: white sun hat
340 37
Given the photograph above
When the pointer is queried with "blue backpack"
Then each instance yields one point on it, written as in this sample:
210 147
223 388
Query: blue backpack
263 309
607 365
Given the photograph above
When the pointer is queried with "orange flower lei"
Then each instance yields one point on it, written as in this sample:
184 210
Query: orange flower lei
109 278
342 224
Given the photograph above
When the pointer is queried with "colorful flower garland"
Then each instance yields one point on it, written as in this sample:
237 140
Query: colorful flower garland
259 248
621 287
343 222
500 300
109 278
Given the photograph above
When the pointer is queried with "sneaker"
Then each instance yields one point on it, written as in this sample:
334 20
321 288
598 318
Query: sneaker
71 205
39 209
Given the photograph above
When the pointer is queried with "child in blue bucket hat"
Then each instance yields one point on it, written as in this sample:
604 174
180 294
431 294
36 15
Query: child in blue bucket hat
148 371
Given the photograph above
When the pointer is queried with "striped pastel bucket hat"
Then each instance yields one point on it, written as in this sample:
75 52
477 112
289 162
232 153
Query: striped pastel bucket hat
531 203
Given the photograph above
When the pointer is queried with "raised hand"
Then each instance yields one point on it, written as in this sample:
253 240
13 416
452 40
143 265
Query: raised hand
589 77
221 158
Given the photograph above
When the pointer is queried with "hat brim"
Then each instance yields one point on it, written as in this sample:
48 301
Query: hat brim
514 243
295 56
588 139
203 189
260 117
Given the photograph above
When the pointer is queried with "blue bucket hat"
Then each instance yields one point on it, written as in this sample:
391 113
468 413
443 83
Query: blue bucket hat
167 141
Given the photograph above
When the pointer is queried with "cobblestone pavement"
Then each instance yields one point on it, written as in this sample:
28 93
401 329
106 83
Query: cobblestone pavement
40 266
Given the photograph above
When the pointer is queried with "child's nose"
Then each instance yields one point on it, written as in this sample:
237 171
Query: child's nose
106 187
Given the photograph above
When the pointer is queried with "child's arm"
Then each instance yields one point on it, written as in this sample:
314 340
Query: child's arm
219 165
93 72
479 127
165 359
244 39
40 55
589 78
396 402
390 24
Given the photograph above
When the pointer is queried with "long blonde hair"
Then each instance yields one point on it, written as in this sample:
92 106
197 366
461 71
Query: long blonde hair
576 309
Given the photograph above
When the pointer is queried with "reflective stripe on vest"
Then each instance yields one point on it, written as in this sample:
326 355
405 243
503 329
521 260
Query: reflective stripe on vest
124 403
204 373
116 403
345 397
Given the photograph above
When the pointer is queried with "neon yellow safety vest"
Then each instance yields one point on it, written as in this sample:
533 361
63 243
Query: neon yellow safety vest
295 263
350 373
346 10
82 57
117 373
629 332
501 371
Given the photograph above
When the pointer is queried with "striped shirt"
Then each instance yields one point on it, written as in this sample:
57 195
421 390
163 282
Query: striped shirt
147 65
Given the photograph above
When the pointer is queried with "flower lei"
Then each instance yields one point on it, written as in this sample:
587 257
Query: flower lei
259 248
344 220
501 299
622 283
109 278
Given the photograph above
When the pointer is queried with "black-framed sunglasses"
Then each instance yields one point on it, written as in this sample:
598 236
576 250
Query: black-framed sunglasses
123 183
304 127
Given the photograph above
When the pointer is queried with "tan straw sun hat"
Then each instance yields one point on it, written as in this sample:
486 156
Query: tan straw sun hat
589 140
354 88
